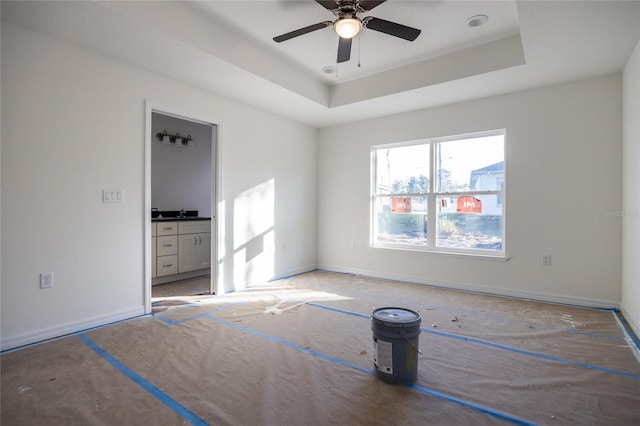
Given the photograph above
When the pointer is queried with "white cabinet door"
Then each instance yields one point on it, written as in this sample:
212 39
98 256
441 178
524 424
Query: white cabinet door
187 252
194 252
153 257
204 252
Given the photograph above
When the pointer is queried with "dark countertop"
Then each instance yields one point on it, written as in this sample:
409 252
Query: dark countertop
179 219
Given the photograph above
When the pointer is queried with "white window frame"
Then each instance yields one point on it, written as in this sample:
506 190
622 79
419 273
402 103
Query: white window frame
432 197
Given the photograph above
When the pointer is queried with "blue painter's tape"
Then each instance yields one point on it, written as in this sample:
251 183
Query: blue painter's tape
478 407
530 353
291 345
421 389
494 345
203 314
627 330
479 314
145 384
342 311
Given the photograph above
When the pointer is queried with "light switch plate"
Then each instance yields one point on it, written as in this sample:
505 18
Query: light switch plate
112 195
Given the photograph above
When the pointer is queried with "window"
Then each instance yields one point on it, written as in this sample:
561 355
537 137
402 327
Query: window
459 181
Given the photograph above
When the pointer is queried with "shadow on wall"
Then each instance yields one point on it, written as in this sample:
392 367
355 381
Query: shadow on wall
252 255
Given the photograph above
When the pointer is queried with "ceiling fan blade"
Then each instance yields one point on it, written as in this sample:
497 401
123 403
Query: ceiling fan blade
391 28
344 49
367 5
302 31
327 4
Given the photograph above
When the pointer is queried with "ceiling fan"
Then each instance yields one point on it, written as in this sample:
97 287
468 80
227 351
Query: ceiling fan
347 25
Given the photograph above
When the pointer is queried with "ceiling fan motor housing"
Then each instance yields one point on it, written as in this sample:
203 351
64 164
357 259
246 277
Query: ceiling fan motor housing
348 9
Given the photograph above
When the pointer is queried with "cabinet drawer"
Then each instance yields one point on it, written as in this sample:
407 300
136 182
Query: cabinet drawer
167 228
167 245
194 227
167 265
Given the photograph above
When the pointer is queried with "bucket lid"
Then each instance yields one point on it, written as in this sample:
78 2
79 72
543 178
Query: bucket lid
398 317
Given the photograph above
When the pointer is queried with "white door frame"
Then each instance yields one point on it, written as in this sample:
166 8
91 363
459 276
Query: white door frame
151 107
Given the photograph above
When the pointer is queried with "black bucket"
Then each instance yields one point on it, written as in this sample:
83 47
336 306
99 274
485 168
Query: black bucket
395 344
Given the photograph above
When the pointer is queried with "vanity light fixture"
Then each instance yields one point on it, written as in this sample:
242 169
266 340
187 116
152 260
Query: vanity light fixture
166 139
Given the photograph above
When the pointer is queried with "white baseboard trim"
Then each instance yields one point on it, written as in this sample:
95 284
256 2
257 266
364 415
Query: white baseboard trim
633 341
633 324
294 272
68 328
182 276
285 274
495 291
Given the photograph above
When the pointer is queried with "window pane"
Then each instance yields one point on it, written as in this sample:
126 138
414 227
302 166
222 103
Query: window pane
475 164
402 170
401 220
470 222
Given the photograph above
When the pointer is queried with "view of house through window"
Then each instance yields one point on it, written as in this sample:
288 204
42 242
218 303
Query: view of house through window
458 181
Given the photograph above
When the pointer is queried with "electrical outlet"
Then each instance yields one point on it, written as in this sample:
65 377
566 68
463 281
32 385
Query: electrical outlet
546 260
46 280
352 245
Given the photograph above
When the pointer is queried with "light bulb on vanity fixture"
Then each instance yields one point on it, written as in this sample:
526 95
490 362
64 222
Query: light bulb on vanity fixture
177 139
164 138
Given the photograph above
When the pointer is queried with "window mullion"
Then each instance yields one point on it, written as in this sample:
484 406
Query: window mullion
431 199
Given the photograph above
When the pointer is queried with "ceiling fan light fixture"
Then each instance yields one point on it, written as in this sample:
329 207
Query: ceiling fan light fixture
347 27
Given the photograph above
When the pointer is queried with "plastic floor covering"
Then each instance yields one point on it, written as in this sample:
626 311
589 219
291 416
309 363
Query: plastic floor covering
299 351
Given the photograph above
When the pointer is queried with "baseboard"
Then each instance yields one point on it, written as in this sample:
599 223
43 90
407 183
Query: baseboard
182 276
495 291
68 328
279 276
631 321
294 272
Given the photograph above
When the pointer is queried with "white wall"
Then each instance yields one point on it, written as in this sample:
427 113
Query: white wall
563 168
73 124
181 175
631 193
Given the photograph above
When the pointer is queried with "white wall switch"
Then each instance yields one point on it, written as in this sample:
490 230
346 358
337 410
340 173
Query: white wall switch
112 195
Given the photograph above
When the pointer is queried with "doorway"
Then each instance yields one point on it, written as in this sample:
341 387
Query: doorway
181 187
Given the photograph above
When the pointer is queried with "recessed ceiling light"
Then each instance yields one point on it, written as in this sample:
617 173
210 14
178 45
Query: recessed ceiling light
329 69
477 20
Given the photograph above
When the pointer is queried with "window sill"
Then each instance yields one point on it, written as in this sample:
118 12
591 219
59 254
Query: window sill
479 256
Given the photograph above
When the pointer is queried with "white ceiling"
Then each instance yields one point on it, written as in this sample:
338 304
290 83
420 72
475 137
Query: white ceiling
442 23
227 47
